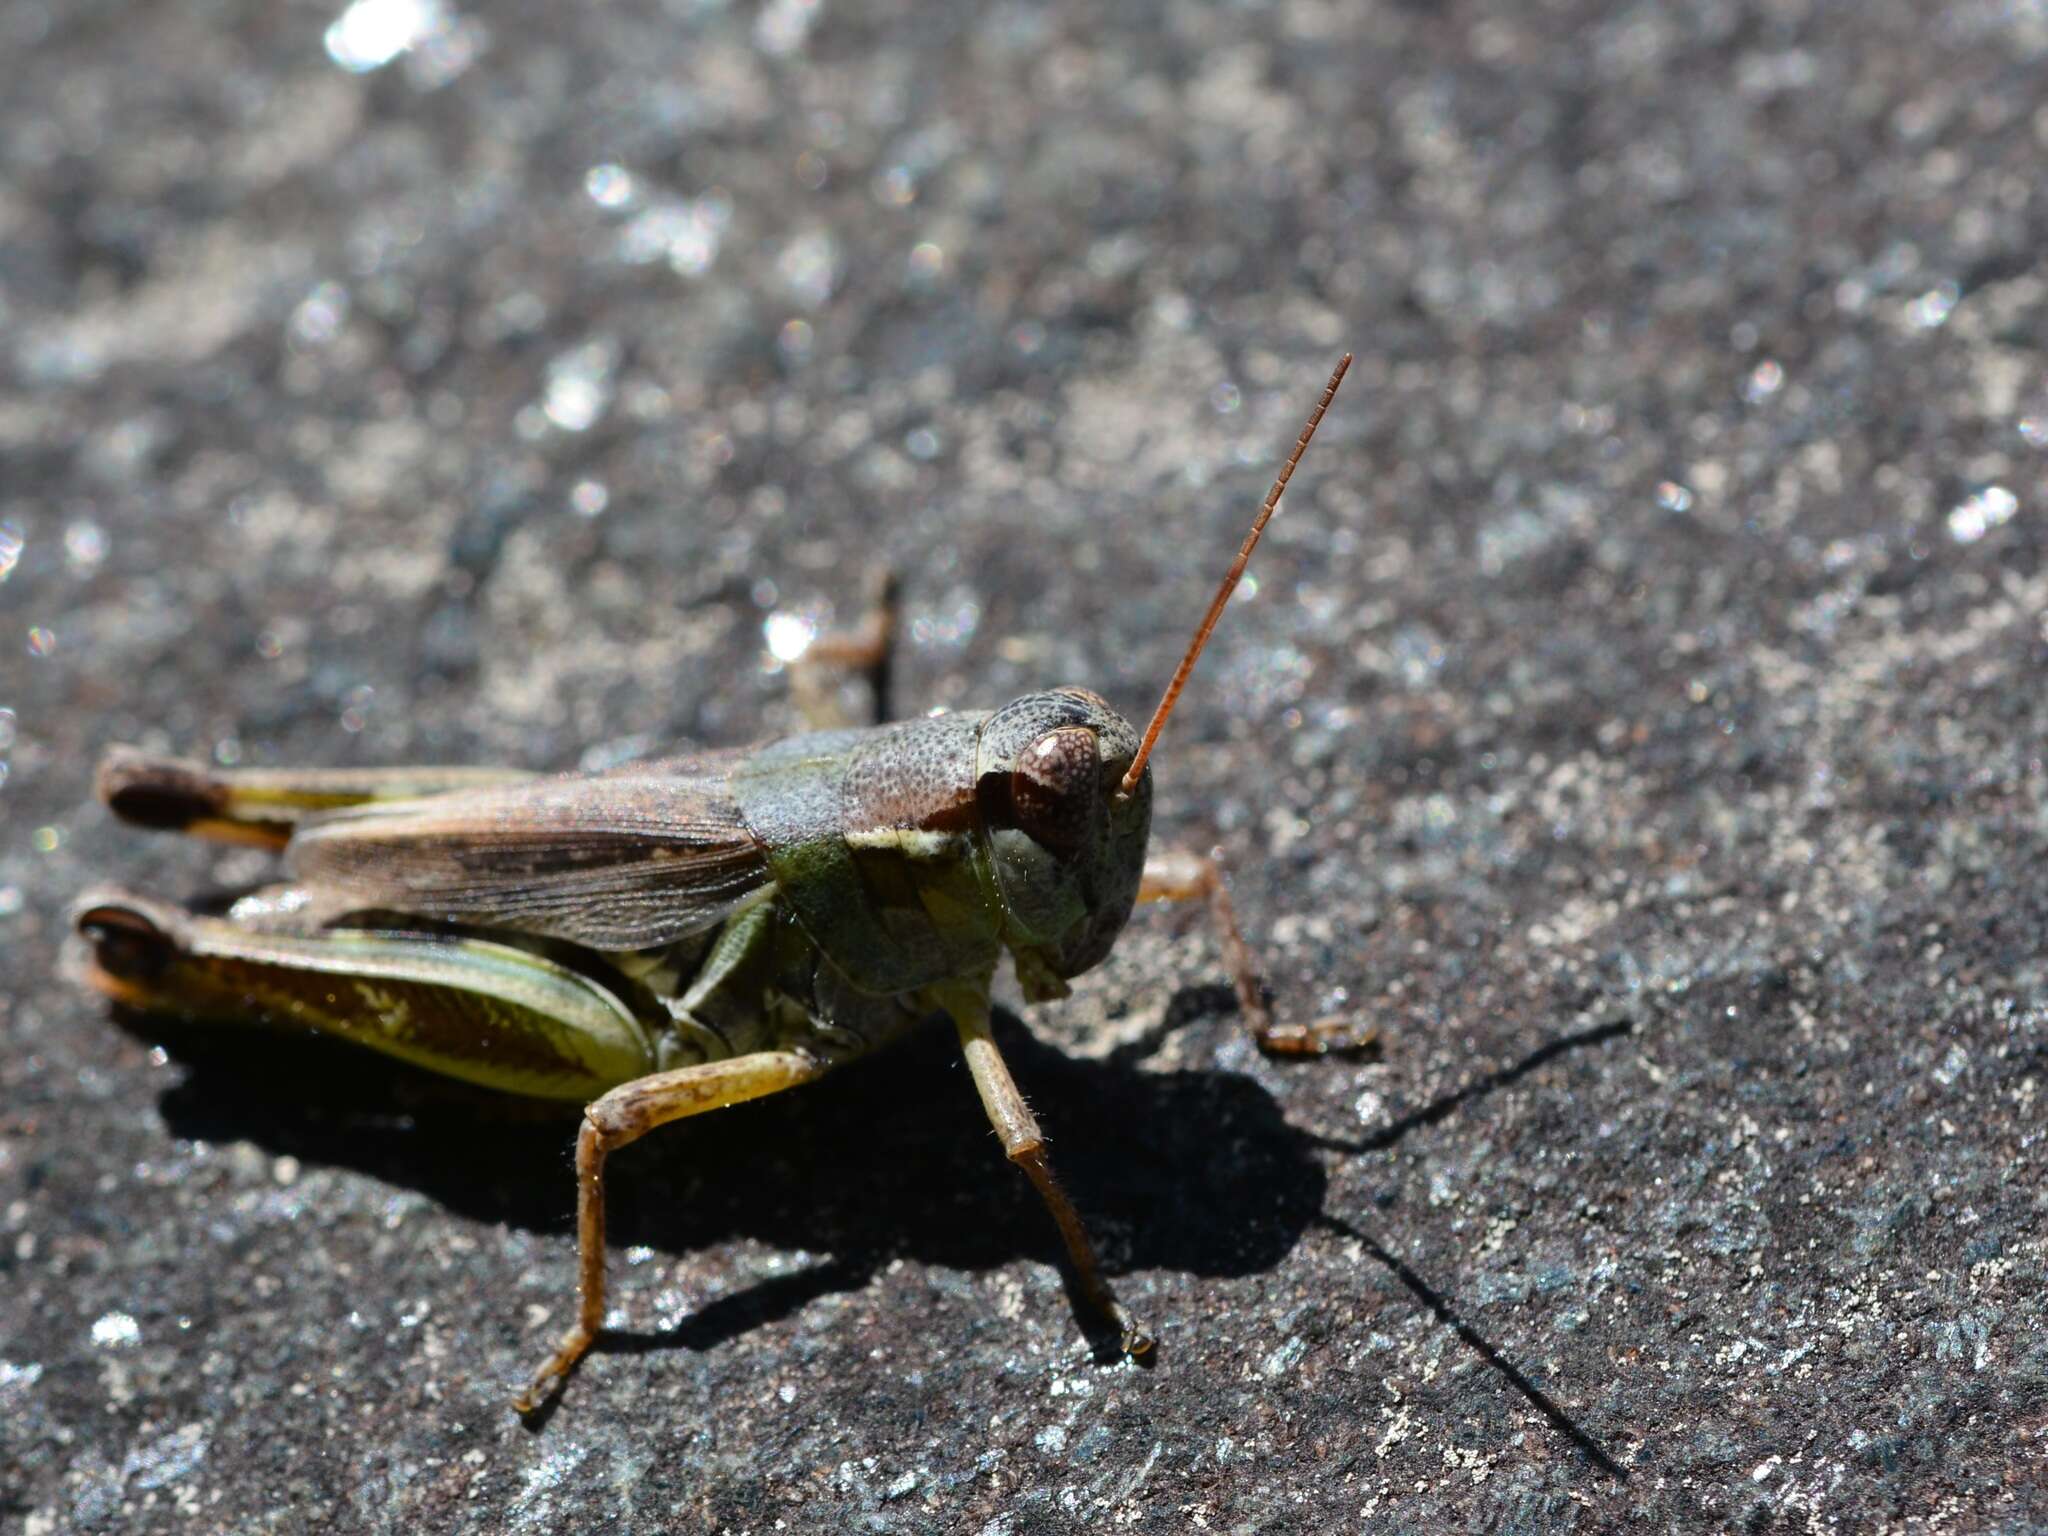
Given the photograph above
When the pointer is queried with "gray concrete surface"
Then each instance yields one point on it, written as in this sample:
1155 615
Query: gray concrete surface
1640 713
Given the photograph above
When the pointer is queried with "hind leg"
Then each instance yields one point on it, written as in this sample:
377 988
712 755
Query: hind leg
484 1012
259 805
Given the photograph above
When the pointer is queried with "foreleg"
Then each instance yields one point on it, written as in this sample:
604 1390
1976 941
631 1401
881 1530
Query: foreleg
1177 875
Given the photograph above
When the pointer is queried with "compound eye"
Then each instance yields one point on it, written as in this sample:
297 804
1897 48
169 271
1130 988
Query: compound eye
1053 788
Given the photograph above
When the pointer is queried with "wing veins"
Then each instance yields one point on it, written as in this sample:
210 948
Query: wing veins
625 860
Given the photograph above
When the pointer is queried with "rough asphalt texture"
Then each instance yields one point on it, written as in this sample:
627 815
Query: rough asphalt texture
1640 713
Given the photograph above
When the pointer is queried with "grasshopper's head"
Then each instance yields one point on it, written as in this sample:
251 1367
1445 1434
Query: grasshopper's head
1066 843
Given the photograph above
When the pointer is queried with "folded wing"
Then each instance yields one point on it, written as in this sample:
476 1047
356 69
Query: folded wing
624 860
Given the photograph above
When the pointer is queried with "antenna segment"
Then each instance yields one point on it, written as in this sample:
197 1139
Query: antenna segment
1216 605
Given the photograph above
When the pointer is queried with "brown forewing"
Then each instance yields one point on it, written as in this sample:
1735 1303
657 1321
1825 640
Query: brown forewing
637 857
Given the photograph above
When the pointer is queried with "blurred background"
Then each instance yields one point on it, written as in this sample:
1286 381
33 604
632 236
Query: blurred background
1636 709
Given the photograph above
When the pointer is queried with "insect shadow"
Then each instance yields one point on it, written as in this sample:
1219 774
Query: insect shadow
1191 1170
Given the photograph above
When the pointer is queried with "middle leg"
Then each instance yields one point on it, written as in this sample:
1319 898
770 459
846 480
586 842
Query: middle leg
623 1116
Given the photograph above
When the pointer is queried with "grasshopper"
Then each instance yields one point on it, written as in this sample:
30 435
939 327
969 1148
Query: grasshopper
674 936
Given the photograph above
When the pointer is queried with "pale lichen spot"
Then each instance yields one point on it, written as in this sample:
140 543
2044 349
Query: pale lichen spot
392 1012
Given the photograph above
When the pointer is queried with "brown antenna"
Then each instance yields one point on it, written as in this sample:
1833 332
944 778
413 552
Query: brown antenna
1244 555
